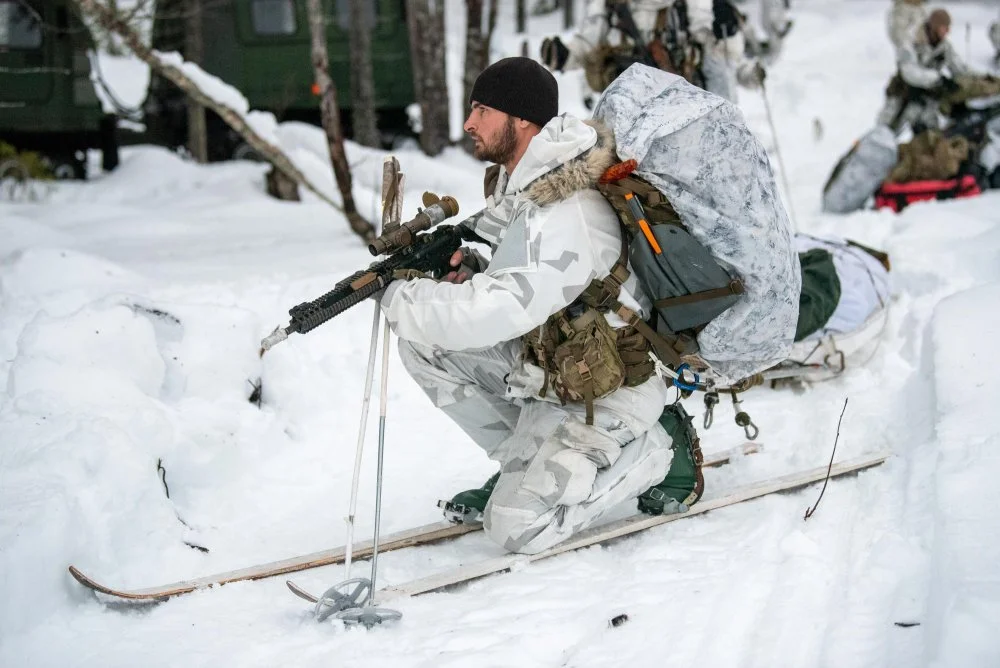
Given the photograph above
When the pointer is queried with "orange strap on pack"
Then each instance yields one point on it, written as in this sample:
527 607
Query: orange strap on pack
640 218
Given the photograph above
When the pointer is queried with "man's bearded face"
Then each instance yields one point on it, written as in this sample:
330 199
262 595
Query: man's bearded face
497 146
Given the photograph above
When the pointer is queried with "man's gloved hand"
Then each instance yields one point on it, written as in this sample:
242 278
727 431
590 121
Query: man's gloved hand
464 262
554 53
947 85
727 19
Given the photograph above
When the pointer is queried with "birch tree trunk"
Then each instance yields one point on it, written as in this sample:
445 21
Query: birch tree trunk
194 50
112 22
363 117
330 115
425 19
477 51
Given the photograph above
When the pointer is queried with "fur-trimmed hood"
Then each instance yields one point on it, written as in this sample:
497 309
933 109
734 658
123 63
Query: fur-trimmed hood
567 156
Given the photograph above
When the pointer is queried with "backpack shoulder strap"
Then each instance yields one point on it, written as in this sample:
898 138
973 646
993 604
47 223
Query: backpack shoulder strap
602 295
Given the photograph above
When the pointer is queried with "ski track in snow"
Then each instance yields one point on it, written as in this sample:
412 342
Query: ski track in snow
131 308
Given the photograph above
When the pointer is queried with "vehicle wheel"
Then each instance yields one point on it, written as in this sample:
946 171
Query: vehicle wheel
15 180
68 167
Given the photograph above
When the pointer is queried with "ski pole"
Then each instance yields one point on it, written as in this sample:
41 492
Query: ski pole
777 152
382 401
370 615
365 403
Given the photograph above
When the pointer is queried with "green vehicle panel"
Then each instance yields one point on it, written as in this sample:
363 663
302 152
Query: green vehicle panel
262 47
47 101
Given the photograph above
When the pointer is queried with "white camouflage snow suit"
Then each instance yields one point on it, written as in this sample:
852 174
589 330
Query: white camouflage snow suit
552 234
922 67
723 61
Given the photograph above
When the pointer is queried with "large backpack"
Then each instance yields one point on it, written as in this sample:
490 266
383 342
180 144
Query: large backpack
727 275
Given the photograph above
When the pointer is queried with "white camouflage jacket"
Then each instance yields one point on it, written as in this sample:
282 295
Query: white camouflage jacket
551 233
922 65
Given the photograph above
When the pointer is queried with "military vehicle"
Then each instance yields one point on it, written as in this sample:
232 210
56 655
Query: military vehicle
262 47
47 100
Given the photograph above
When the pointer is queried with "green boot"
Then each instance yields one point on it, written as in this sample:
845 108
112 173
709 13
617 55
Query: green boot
468 506
684 483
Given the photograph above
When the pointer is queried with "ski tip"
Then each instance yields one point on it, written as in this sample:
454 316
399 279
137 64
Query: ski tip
129 597
78 576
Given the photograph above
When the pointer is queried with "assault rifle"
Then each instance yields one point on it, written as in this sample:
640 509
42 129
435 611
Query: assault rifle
408 248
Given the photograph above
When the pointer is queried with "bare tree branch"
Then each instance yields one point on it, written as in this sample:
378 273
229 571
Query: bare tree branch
114 23
330 115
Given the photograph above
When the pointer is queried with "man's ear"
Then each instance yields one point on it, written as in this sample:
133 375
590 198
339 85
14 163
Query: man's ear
523 124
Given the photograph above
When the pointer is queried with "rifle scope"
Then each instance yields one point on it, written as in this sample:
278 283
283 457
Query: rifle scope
401 236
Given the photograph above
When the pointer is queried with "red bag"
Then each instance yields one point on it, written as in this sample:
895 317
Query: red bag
897 196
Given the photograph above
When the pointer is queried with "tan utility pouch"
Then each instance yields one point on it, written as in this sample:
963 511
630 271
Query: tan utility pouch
580 357
599 66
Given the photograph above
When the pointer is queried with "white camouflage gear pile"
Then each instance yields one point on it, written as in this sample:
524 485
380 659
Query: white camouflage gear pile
697 149
865 284
551 235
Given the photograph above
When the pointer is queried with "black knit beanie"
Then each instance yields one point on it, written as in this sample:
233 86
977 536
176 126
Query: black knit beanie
520 87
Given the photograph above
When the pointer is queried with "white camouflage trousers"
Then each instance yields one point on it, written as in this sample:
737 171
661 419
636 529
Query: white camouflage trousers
898 113
558 475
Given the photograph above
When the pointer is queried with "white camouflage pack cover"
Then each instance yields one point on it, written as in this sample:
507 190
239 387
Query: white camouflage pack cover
698 151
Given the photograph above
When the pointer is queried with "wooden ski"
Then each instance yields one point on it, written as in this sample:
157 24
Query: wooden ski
429 533
625 527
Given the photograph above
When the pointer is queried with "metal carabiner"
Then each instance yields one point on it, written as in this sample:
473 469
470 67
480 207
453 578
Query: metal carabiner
711 400
743 419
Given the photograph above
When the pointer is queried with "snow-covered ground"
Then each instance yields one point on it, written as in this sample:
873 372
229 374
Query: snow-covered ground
131 308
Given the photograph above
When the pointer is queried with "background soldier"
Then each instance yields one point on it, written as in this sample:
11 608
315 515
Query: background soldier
701 40
931 76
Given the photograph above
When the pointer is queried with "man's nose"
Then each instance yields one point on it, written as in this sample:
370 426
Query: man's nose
469 127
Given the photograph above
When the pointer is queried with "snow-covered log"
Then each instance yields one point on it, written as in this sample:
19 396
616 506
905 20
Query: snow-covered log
203 89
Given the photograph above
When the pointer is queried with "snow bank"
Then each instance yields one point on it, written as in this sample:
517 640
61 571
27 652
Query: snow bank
80 424
130 311
964 607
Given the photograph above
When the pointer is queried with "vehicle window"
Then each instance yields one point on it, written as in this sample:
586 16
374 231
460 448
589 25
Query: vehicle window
273 17
344 14
19 27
